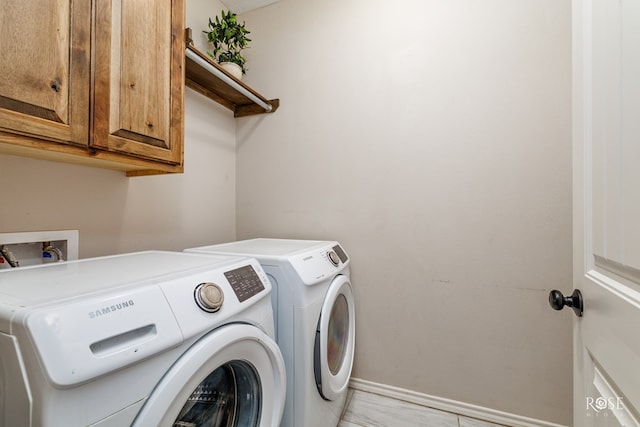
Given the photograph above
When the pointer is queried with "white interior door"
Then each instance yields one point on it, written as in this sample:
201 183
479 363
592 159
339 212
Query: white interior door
607 211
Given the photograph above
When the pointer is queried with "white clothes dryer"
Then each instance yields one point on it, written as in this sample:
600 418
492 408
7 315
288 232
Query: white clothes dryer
146 339
315 322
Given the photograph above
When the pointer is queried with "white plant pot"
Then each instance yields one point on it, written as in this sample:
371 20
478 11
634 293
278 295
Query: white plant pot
233 68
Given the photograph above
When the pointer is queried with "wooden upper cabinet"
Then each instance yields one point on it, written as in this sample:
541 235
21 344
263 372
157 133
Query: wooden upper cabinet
94 82
139 83
45 69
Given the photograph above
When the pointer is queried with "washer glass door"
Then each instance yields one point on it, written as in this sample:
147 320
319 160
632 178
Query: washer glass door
229 396
335 340
233 376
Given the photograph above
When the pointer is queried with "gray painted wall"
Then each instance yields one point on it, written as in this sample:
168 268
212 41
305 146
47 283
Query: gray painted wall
433 139
116 214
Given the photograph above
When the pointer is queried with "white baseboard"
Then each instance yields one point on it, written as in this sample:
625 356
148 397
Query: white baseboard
448 405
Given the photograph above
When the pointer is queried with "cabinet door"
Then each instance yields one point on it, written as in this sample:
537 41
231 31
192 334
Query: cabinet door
139 83
44 64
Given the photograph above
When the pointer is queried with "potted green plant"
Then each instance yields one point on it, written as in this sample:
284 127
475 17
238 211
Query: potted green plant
228 38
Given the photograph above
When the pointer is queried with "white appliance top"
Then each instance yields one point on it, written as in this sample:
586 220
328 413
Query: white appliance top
89 317
40 284
313 260
267 248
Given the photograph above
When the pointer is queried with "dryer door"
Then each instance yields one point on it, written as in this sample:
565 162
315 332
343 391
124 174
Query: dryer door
234 376
335 340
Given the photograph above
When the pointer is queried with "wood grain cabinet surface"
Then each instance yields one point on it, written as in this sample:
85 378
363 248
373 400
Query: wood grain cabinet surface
101 87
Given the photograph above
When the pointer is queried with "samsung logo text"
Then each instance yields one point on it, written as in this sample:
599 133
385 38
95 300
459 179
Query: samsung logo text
111 309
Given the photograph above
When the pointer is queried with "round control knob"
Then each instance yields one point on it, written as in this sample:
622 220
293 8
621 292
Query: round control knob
209 297
333 257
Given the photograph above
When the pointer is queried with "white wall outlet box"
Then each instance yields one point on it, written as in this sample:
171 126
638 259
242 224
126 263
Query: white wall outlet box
38 247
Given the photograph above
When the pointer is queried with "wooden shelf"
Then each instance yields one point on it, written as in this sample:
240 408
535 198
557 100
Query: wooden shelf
206 77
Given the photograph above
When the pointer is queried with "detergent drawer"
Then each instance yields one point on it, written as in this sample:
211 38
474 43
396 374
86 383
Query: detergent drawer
79 341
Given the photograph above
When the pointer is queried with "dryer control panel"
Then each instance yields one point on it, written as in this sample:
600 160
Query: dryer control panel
341 253
321 264
337 255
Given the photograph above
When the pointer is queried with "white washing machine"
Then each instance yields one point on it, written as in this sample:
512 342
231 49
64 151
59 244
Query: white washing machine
146 339
315 322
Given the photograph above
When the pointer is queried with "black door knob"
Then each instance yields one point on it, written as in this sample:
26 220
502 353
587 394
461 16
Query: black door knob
557 301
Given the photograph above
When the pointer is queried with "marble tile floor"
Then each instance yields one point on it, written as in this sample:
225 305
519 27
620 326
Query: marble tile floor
372 410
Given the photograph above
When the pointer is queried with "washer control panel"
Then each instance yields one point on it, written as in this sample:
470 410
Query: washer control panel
245 282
